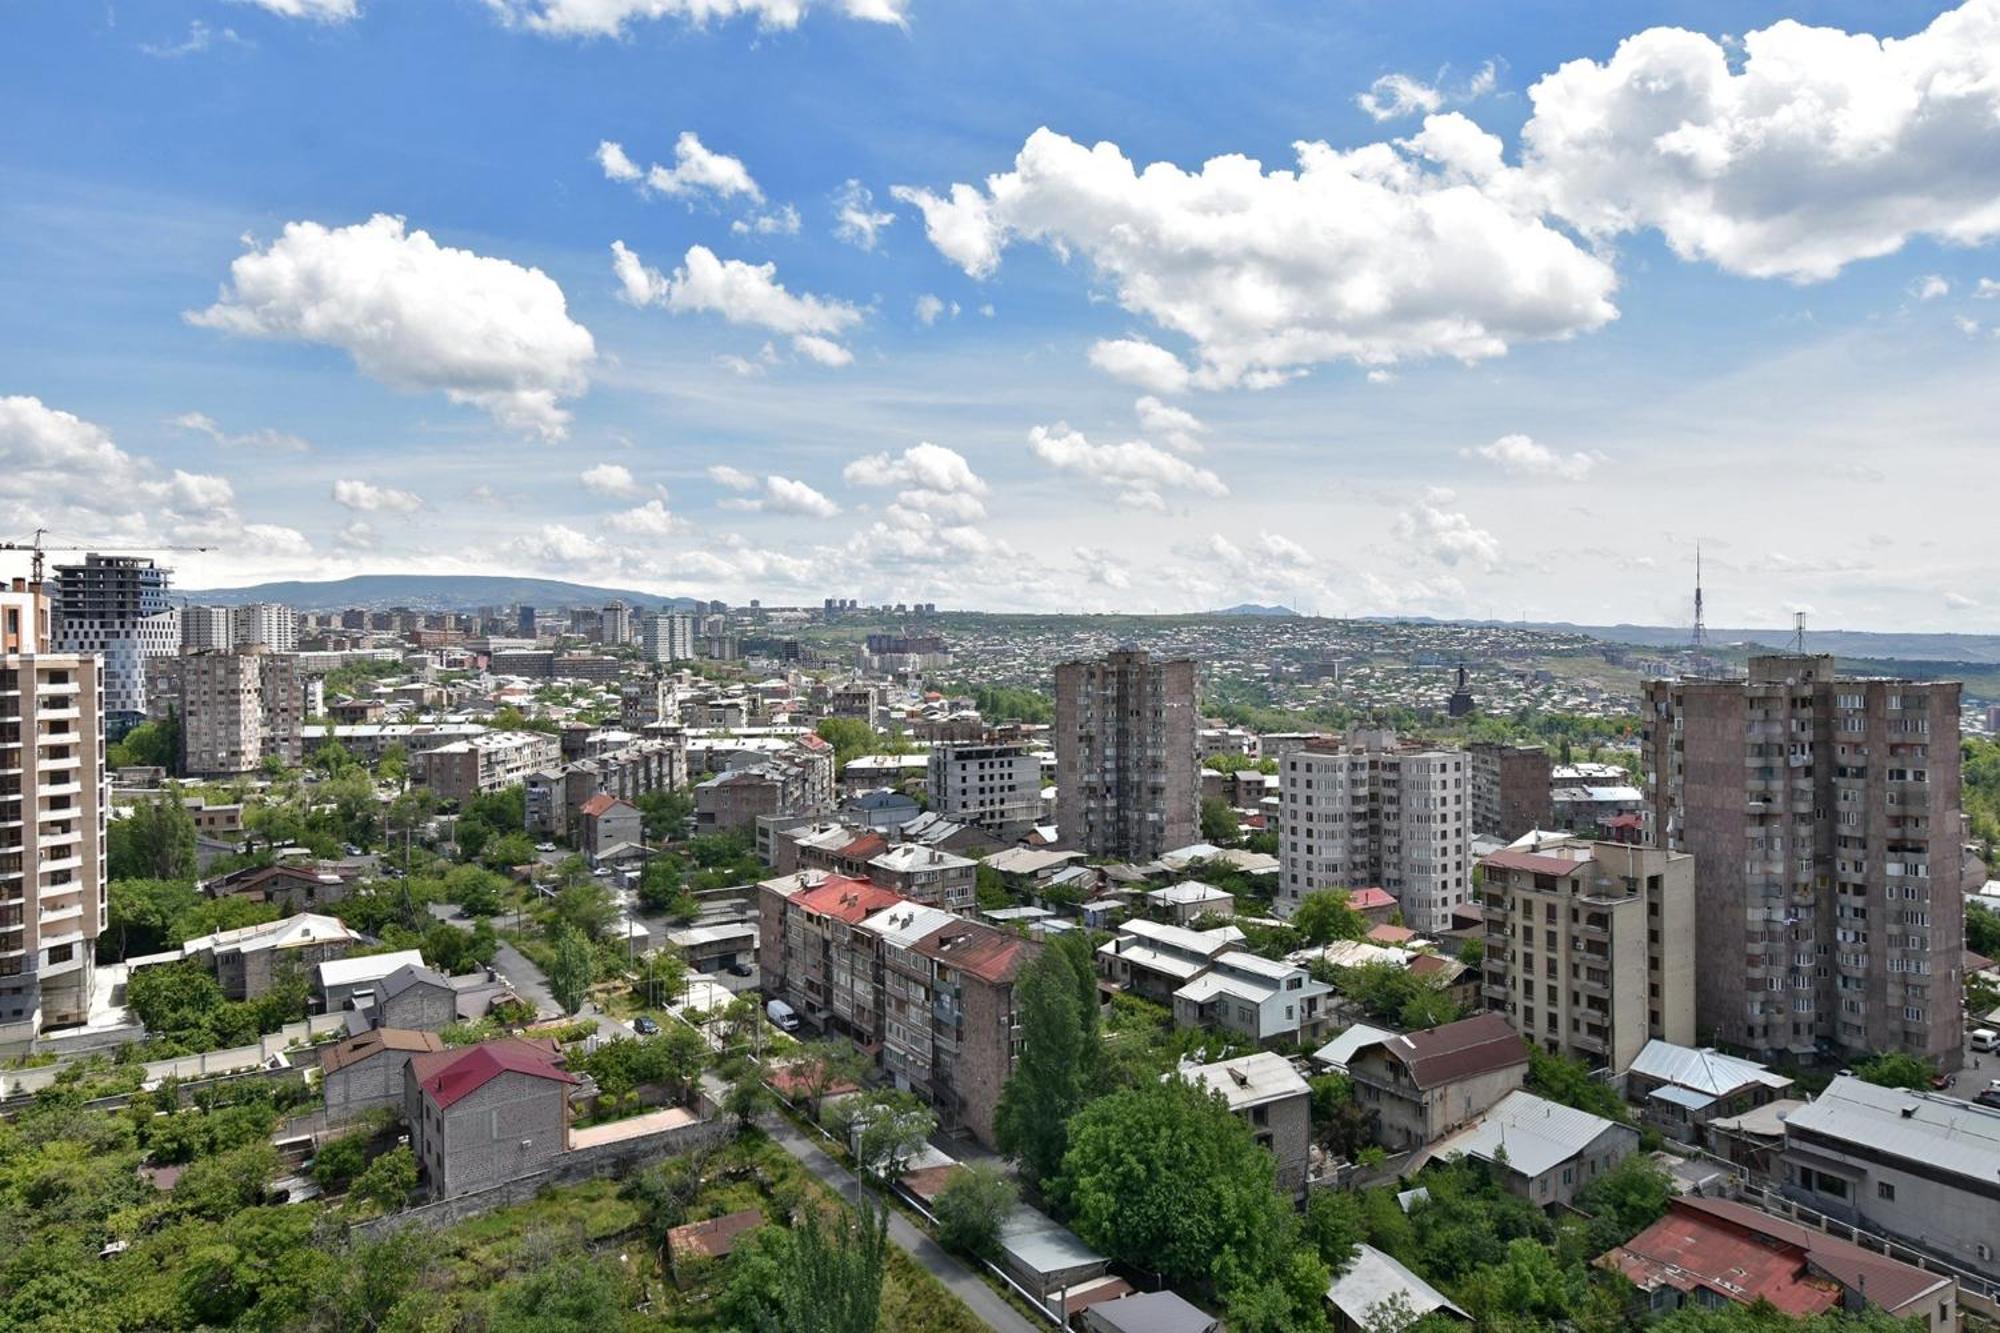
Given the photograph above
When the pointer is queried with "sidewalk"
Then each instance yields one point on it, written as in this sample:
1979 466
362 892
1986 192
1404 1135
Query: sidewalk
981 1299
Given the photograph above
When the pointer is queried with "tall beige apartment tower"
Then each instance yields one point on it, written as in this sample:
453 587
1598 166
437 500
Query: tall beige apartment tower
1823 815
53 801
1127 785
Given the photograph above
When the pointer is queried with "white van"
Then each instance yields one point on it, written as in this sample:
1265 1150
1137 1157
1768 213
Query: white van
781 1015
1985 1039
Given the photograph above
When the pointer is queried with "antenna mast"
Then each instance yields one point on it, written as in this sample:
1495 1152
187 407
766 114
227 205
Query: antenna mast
1699 640
1799 633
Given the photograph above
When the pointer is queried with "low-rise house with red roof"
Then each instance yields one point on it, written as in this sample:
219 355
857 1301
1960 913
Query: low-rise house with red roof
606 821
365 1073
483 1115
1376 905
1707 1252
1424 1085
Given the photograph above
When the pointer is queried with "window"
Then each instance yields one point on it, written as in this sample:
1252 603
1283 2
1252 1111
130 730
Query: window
1884 1190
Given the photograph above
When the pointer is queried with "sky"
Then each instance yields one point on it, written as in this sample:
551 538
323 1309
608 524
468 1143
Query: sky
1452 309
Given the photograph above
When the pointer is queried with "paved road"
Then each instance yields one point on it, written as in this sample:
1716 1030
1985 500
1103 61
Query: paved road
526 979
964 1283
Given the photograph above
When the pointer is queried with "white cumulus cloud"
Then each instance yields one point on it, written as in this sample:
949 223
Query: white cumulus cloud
736 479
1521 455
1429 246
1139 470
741 293
1446 535
783 495
924 466
1791 154
415 315
856 219
1141 363
1396 95
370 498
651 519
697 170
613 479
316 11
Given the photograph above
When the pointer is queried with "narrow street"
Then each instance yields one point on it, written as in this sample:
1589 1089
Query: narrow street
968 1286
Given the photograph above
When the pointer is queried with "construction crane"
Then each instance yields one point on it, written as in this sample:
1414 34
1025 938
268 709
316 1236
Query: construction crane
41 544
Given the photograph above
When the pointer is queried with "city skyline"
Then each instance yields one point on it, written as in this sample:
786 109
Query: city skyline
888 324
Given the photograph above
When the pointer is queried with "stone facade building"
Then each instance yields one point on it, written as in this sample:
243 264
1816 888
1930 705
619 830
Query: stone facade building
485 763
1825 821
236 710
365 1073
1510 789
484 1115
1128 785
1424 1085
992 785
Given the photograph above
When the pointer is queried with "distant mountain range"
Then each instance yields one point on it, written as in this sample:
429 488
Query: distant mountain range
437 592
1879 645
1253 609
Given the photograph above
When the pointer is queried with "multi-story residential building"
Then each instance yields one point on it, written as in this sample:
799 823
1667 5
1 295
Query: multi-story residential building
1915 1165
1590 946
1824 818
116 606
667 636
207 629
1510 789
465 769
648 702
926 875
797 780
1424 1085
614 624
236 709
1369 812
249 960
991 785
555 796
266 625
53 803
1127 782
933 992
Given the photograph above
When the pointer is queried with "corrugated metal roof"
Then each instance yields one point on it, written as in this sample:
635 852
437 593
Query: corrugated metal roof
1943 1133
1536 1134
1373 1278
1705 1071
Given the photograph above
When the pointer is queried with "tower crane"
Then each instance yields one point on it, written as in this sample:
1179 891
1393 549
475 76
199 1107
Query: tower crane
40 544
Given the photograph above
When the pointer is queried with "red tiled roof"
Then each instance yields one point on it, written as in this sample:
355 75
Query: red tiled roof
599 803
1534 863
1362 900
1688 1251
866 847
1432 964
1460 1050
847 899
1388 934
1888 1283
984 951
447 1076
927 1182
813 742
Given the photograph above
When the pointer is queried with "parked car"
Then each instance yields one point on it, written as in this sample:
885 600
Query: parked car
782 1016
645 1026
740 969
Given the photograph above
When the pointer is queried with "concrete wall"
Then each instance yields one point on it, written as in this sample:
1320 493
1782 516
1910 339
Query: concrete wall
1950 1216
420 1008
368 1085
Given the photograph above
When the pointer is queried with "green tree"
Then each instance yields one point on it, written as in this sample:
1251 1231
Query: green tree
829 1279
1624 1201
1896 1069
155 840
154 744
1163 1176
388 1181
1339 1121
887 1128
1219 824
585 906
1060 1066
1568 1081
849 737
571 970
572 1292
822 1066
972 1207
143 912
1324 916
747 1097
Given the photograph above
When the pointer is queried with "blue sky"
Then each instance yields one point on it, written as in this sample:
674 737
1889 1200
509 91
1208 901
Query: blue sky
1522 378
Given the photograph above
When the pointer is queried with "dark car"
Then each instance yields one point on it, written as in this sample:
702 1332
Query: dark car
644 1026
1990 1097
740 969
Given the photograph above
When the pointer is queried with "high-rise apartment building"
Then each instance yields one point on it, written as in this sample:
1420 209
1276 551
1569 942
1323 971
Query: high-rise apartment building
1590 946
207 629
236 710
1824 818
1510 789
116 606
1127 784
667 636
265 625
614 624
991 785
1367 812
53 801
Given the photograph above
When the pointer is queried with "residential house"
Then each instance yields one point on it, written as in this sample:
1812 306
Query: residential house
415 998
607 822
1375 1287
1256 997
1266 1093
1542 1150
250 959
1424 1085
483 1115
1149 1312
365 1073
1179 904
926 875
347 983
1713 1252
1152 960
1680 1090
696 1243
1376 905
292 886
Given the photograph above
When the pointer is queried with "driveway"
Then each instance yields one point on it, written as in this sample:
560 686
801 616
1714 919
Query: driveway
981 1299
526 980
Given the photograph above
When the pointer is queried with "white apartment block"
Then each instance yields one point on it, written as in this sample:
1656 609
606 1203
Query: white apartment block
265 625
53 802
989 785
1374 814
484 763
667 637
207 629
